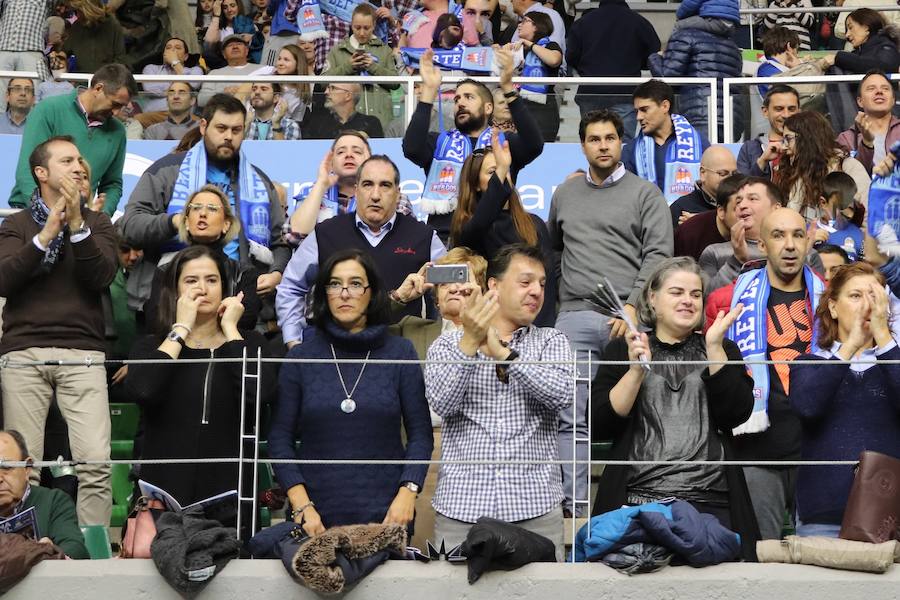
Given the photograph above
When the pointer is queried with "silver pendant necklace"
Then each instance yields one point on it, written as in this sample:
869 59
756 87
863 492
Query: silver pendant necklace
348 404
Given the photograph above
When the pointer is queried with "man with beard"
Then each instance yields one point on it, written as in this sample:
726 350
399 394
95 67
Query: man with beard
441 155
779 299
341 100
86 116
155 207
266 118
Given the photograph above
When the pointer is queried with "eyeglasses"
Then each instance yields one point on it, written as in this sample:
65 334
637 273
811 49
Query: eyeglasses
788 139
334 88
719 172
210 208
355 289
18 89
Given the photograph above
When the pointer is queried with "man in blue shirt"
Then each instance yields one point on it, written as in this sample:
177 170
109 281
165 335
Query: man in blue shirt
19 102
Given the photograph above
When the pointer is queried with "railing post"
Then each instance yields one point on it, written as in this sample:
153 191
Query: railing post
726 106
713 112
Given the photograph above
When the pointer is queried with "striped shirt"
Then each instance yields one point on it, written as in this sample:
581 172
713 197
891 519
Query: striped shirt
486 419
798 22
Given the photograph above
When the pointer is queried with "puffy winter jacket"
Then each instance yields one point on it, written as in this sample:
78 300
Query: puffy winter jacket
877 52
721 9
699 47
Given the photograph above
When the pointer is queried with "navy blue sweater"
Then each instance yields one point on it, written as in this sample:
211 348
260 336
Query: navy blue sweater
843 412
388 398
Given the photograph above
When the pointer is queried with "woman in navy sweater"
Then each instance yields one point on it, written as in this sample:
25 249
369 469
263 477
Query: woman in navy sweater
845 408
489 215
346 410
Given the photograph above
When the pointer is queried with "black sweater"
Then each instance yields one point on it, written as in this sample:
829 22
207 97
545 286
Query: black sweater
491 227
729 394
877 52
193 410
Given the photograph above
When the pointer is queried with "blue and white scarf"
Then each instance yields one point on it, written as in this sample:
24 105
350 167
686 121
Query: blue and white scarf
749 333
442 184
252 195
331 205
682 159
883 219
535 67
308 17
472 59
413 20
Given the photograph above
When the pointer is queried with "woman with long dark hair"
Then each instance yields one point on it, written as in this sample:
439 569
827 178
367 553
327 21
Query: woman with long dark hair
809 152
675 411
489 215
193 409
845 408
874 45
541 58
351 410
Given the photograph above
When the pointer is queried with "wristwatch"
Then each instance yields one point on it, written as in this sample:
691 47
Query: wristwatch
174 337
413 487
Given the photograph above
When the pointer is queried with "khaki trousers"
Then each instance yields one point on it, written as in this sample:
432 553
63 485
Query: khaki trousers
82 398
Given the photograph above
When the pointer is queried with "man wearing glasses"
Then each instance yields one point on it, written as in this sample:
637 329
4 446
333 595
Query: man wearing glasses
19 102
87 116
341 101
179 116
717 163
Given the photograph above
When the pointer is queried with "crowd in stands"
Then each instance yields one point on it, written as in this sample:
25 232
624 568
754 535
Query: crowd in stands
753 254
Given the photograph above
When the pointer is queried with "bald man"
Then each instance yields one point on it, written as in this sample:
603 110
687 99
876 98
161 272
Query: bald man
780 300
717 163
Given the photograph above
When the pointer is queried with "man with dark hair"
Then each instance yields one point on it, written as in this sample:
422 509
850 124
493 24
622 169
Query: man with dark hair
179 118
155 207
875 128
56 262
780 46
19 102
757 156
832 257
712 227
667 149
174 57
442 155
612 40
340 112
610 223
266 118
521 426
87 116
398 243
716 164
840 219
54 511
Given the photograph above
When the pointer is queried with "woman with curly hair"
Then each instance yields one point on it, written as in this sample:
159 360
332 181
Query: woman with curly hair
809 152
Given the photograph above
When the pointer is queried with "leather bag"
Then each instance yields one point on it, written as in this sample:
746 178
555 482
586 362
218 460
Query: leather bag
873 509
140 528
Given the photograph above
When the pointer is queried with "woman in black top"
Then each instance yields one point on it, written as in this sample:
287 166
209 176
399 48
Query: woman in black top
541 57
675 411
874 45
489 215
193 409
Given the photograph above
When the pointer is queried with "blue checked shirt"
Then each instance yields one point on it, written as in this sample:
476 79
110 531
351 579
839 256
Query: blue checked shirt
23 23
290 128
485 419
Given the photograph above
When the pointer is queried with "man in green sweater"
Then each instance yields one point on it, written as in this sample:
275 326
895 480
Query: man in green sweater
608 222
87 116
54 510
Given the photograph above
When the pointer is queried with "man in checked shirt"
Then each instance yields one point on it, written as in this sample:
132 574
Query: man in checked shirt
501 412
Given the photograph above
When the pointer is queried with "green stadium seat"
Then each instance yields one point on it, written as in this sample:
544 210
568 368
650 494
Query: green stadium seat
121 494
96 540
124 418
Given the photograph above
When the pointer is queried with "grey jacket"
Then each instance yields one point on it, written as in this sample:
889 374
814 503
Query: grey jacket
146 225
720 265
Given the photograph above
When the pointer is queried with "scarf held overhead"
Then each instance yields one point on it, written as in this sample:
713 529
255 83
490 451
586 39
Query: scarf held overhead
472 59
308 16
535 67
252 194
749 333
442 184
682 159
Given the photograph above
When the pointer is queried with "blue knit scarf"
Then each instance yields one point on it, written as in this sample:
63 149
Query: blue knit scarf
682 159
749 333
308 17
534 67
883 218
252 194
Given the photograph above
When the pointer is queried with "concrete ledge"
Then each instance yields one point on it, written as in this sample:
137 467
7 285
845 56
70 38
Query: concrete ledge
248 580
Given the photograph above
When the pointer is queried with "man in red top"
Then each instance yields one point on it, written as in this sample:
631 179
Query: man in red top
779 301
710 227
